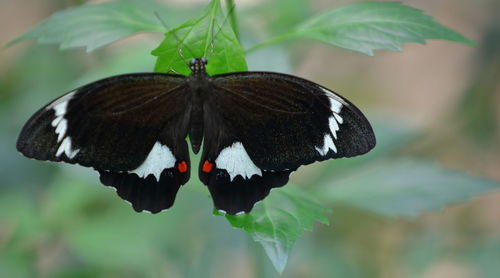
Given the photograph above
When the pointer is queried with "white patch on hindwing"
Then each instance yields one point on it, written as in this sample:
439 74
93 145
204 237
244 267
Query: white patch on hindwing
333 123
235 160
60 123
159 158
222 211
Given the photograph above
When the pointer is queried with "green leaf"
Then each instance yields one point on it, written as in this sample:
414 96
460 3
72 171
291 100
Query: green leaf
404 188
291 12
368 26
206 36
95 25
279 220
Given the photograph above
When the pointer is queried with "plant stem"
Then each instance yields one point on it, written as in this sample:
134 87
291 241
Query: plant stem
232 18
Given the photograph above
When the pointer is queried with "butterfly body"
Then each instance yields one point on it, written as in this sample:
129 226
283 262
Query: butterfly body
199 84
255 128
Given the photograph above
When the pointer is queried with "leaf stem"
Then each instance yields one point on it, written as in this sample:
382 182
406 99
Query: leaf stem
232 18
277 39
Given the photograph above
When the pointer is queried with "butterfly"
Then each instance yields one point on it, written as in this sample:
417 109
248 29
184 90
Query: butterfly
255 129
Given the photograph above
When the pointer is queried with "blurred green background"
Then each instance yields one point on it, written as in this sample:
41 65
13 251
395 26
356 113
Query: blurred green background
436 103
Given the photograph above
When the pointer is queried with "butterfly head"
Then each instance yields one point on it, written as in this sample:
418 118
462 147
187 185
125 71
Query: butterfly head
197 65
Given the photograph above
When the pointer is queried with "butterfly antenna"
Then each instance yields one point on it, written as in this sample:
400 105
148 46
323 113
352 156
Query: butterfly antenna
179 41
212 43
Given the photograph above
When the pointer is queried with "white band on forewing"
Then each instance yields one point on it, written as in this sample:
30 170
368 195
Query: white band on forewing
60 123
333 124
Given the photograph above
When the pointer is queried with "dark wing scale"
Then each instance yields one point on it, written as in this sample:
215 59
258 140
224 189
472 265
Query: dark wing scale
113 125
229 195
240 195
38 139
272 124
146 194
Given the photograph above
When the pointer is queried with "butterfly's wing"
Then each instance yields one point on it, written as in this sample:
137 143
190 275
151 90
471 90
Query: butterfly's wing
130 128
259 127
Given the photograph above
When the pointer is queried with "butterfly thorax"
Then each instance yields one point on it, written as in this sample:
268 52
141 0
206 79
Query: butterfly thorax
198 81
198 65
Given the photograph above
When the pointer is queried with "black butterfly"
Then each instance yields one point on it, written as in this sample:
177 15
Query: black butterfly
256 128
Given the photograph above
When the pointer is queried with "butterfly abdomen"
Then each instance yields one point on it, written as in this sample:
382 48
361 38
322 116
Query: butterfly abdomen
196 123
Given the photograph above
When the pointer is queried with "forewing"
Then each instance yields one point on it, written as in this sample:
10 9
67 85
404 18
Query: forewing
284 121
131 128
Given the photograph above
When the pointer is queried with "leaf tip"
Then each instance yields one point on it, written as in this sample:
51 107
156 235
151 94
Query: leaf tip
12 42
469 42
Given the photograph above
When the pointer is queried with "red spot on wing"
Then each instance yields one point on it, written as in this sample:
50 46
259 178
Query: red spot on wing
182 167
207 167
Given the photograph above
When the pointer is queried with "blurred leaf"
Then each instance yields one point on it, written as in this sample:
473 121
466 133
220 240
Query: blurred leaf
16 265
95 25
391 138
205 36
74 192
404 188
485 255
478 110
422 252
332 257
108 236
274 58
291 12
20 230
368 26
19 219
137 59
279 220
97 225
279 15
